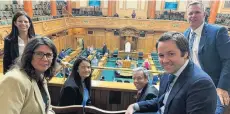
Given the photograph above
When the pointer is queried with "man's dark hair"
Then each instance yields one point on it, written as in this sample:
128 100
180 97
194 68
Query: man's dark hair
178 38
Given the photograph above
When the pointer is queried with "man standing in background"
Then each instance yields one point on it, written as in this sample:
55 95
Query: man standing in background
209 48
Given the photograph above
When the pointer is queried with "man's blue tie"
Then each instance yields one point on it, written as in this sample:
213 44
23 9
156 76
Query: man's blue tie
171 77
191 42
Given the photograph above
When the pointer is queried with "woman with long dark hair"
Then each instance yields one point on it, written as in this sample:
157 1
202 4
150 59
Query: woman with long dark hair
77 88
22 31
23 89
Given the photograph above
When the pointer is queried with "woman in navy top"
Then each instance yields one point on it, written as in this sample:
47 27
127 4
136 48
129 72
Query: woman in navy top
77 88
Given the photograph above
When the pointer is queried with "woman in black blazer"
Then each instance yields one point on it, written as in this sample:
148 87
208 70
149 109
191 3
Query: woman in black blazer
22 31
77 88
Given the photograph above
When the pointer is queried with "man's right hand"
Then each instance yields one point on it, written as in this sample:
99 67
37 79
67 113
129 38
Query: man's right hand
130 109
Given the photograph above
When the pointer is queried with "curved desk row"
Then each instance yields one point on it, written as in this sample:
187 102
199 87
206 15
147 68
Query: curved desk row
105 95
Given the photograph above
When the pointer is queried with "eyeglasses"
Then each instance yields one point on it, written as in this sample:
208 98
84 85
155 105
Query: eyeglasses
40 55
20 21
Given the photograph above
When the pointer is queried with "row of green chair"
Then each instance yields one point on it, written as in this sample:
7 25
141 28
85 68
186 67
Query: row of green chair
123 80
6 22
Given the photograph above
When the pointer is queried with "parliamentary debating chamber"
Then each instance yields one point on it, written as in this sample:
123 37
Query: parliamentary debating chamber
129 28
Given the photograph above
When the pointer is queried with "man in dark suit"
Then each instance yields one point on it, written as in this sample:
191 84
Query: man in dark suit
104 49
145 91
209 48
184 88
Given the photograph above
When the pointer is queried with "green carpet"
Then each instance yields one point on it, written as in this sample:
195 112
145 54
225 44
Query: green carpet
109 74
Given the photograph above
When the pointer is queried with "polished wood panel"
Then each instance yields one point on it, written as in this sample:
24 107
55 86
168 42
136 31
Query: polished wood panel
140 24
122 54
56 25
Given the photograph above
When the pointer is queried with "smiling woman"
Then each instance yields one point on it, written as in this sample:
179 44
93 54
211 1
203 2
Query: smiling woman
21 32
27 80
77 88
42 58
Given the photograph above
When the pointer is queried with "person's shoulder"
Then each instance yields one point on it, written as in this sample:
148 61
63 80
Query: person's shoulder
7 38
151 92
214 27
186 30
70 82
152 88
16 76
163 76
199 74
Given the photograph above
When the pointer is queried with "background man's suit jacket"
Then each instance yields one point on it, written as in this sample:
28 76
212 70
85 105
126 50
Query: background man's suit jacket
11 52
214 54
147 93
21 95
193 93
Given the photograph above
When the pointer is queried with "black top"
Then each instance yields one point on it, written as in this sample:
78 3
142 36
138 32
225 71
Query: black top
11 52
70 93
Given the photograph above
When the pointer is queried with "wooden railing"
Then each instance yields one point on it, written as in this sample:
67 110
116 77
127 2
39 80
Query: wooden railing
79 109
53 26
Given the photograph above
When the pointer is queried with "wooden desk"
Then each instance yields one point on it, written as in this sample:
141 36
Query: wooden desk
122 54
98 84
91 56
126 63
105 95
126 73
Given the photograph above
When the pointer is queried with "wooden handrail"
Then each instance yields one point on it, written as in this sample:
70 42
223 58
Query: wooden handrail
79 109
67 109
96 110
109 68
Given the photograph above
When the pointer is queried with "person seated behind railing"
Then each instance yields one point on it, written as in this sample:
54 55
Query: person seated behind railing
133 14
88 51
77 88
62 54
94 61
118 63
145 90
127 57
91 49
146 64
116 15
